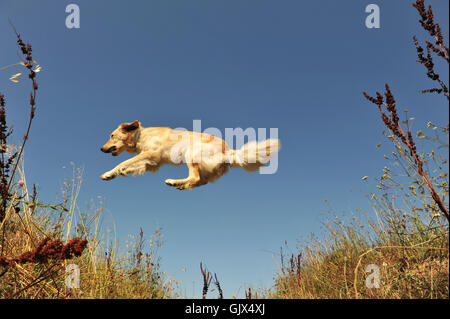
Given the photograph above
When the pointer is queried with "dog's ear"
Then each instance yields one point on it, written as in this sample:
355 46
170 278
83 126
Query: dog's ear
128 127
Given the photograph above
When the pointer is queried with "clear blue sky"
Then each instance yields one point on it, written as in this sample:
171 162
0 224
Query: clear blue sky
299 66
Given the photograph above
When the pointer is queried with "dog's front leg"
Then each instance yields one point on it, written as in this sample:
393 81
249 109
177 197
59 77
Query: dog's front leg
135 165
110 174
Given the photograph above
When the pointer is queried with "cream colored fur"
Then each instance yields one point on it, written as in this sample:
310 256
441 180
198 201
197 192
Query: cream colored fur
206 156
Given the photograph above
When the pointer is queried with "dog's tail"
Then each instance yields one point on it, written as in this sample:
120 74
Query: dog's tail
254 155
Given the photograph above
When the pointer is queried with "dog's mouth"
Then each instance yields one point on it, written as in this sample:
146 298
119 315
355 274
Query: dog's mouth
113 150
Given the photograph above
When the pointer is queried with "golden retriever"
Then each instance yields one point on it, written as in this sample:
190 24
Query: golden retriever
207 157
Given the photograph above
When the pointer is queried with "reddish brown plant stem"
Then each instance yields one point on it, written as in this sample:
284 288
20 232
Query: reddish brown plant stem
26 50
422 173
393 124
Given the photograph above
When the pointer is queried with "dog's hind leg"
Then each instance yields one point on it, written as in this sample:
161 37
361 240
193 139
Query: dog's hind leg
189 182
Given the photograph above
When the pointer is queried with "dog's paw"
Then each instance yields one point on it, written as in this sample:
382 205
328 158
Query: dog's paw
170 182
108 176
175 183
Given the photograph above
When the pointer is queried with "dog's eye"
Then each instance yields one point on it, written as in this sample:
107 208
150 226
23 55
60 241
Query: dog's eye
112 135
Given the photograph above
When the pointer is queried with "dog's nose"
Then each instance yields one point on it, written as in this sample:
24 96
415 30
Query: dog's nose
108 150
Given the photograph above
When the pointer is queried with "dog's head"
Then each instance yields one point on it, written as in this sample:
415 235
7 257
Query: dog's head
122 139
